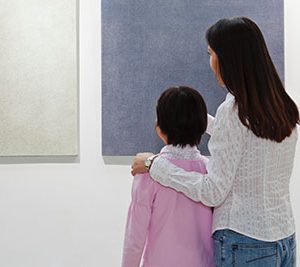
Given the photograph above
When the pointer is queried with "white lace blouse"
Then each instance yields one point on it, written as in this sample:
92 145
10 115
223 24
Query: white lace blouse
247 180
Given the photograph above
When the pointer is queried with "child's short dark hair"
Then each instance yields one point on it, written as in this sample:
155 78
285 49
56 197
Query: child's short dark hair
182 115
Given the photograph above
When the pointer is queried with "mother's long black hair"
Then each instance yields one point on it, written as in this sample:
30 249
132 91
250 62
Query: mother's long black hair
248 72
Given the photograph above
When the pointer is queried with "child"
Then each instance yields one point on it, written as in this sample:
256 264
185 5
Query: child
164 226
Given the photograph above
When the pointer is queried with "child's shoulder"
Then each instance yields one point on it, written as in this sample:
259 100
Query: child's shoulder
144 188
143 181
195 157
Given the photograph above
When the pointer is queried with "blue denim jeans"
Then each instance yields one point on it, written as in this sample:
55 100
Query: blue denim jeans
234 249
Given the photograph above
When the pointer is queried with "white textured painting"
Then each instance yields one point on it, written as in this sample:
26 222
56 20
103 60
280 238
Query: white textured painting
38 78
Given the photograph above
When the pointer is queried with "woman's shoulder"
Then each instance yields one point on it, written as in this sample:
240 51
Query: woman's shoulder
227 112
228 104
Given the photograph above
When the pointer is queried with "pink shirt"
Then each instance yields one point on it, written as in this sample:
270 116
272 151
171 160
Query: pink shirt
164 226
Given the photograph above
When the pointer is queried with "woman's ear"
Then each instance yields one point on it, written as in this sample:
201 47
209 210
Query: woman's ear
215 66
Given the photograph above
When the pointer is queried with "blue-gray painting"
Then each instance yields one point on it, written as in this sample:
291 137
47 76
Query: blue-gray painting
150 45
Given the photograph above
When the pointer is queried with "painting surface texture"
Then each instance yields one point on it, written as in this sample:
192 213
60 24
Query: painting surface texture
38 78
148 46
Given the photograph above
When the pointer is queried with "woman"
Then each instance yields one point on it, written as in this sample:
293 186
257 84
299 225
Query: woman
252 152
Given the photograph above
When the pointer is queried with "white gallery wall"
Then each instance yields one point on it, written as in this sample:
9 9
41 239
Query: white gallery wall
38 74
72 215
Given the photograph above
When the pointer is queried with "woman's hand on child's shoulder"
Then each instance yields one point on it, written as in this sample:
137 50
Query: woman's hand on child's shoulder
138 165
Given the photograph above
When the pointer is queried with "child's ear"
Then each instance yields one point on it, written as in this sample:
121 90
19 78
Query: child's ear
158 130
161 135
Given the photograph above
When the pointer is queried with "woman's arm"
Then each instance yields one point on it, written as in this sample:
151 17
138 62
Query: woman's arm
226 148
138 165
